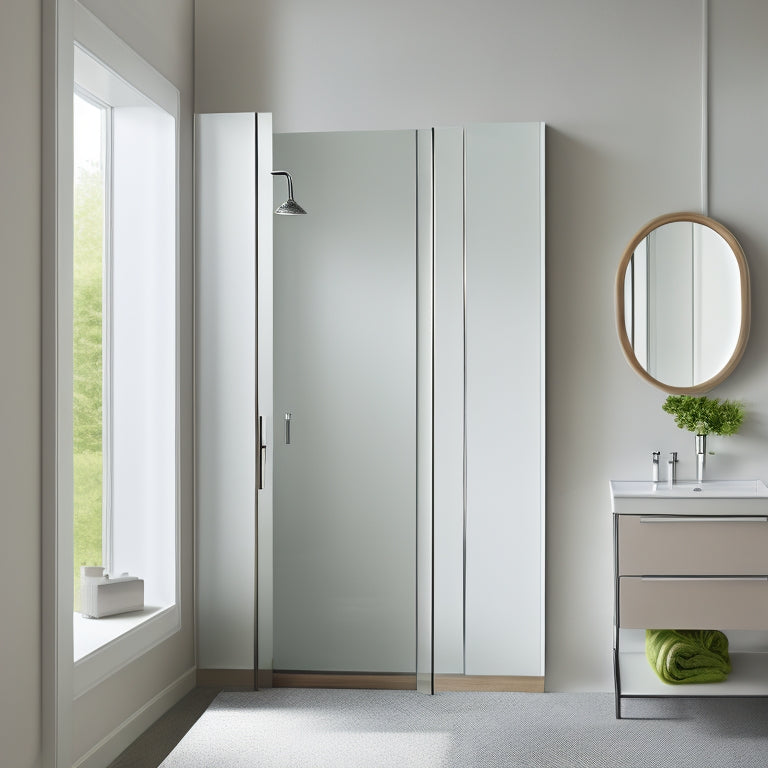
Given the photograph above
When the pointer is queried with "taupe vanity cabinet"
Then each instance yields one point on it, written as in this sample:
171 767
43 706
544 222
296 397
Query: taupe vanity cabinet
690 557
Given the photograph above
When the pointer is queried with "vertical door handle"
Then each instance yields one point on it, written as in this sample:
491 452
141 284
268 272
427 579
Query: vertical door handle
287 428
262 454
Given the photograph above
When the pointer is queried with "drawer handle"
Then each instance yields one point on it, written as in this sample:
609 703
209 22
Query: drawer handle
703 519
704 578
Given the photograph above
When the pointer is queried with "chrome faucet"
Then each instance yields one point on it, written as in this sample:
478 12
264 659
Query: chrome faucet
672 468
701 457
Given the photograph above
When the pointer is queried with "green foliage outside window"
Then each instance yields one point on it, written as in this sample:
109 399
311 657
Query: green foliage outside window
88 249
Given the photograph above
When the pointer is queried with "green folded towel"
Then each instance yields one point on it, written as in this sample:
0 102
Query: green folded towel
688 655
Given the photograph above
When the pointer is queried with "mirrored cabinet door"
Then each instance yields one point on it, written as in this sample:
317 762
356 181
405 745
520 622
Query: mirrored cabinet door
489 406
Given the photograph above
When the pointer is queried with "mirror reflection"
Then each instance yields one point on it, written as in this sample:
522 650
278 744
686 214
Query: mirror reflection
683 290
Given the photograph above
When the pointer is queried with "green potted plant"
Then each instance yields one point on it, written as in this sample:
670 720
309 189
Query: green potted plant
705 416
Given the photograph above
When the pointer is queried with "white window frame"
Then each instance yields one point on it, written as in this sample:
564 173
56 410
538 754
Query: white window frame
101 45
66 24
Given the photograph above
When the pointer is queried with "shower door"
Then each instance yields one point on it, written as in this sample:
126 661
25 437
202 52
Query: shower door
345 405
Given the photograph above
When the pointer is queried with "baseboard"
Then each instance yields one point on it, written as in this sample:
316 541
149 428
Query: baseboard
370 681
115 742
225 678
233 678
518 683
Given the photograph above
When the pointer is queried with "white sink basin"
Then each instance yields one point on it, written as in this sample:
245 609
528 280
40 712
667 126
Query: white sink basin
712 497
724 489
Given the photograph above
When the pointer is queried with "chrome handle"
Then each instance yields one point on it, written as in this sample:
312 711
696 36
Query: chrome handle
287 428
704 519
262 454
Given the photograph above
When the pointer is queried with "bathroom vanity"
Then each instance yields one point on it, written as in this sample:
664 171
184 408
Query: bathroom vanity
690 556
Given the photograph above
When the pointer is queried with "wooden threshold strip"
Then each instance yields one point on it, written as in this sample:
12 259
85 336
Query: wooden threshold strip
515 683
243 678
370 681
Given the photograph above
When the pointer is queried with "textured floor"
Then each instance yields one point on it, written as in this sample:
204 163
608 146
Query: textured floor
153 746
296 728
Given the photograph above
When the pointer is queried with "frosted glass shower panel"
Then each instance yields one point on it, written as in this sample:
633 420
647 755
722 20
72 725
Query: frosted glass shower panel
345 369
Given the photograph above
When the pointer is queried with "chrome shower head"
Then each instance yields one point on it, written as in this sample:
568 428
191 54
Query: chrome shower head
290 207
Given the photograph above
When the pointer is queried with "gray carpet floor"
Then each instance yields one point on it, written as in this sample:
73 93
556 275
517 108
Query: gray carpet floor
154 745
300 728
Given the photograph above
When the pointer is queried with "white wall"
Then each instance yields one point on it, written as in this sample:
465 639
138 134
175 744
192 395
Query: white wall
20 673
618 83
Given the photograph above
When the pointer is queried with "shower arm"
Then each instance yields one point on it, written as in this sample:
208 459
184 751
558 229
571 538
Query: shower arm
290 181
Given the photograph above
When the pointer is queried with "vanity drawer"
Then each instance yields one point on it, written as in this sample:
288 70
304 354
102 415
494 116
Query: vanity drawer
650 545
693 603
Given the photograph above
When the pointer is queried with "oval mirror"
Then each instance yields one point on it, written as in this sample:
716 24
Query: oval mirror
682 303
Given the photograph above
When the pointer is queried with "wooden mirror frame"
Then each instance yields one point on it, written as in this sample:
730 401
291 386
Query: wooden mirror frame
741 343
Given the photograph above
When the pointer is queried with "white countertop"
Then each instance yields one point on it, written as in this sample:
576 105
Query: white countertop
723 489
712 498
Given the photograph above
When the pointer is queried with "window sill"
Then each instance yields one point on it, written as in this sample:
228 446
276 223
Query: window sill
89 635
103 646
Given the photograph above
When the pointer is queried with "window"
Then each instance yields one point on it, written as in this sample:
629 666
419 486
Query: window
125 336
88 257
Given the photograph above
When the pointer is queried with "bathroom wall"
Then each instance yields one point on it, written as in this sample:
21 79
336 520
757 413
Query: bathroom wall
619 84
20 672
